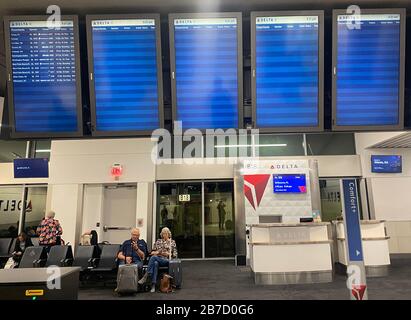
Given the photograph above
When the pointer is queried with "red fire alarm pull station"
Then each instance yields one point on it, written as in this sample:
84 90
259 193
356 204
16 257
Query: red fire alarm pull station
116 171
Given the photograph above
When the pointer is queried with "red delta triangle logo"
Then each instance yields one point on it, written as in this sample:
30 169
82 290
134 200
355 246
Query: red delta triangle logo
255 185
358 291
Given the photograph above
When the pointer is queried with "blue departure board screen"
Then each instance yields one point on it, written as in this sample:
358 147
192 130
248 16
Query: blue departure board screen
125 75
206 64
43 62
368 70
287 71
289 183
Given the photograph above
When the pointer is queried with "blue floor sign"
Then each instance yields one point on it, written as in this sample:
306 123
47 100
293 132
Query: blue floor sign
352 217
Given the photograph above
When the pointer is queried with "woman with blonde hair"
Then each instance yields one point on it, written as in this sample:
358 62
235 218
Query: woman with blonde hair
164 250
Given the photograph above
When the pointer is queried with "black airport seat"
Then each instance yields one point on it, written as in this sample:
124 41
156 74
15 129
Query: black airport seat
33 257
84 257
13 244
108 258
5 244
61 256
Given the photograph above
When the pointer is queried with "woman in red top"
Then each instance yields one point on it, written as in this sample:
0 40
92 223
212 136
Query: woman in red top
49 230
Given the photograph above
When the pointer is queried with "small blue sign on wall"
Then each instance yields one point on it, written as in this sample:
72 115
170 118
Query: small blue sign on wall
31 168
352 220
386 164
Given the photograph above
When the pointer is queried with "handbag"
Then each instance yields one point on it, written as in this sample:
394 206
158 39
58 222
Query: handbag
165 283
10 264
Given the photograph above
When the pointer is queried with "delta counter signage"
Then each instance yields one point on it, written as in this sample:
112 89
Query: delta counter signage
279 188
355 264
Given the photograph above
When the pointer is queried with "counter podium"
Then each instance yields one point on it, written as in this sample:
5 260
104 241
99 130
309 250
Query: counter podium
287 253
375 247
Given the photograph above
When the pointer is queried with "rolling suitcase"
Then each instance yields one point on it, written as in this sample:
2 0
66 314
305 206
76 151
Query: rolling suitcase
175 270
127 279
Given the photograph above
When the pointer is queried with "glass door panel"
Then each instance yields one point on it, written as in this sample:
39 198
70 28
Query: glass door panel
219 219
180 209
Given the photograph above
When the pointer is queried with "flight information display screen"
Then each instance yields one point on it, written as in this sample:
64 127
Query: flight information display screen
206 72
386 164
367 70
125 75
44 79
289 183
31 168
287 71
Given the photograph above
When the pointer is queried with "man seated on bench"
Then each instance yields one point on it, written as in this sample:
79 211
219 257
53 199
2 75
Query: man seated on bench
133 251
164 250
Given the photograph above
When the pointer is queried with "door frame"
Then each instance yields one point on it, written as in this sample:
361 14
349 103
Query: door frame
202 181
362 190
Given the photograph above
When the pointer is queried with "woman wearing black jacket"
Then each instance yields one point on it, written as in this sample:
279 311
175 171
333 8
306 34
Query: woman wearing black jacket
22 243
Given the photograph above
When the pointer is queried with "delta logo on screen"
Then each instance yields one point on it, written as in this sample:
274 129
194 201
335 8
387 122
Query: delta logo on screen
254 187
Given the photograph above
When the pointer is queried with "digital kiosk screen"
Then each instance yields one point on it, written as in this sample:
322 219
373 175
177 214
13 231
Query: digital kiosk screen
386 164
289 183
31 168
287 71
206 64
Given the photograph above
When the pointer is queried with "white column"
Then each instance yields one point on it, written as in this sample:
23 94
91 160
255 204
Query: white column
67 202
144 211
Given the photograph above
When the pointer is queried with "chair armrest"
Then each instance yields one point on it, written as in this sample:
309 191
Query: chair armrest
90 262
94 262
66 262
41 262
36 263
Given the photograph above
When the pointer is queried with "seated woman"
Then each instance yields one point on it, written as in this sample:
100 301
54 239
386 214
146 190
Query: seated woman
22 243
164 250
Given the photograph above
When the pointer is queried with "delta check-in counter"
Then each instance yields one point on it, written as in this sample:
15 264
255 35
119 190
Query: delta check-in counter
286 253
374 243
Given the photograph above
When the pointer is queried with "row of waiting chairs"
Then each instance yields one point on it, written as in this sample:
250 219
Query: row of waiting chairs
86 257
7 246
37 257
93 258
101 258
95 262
